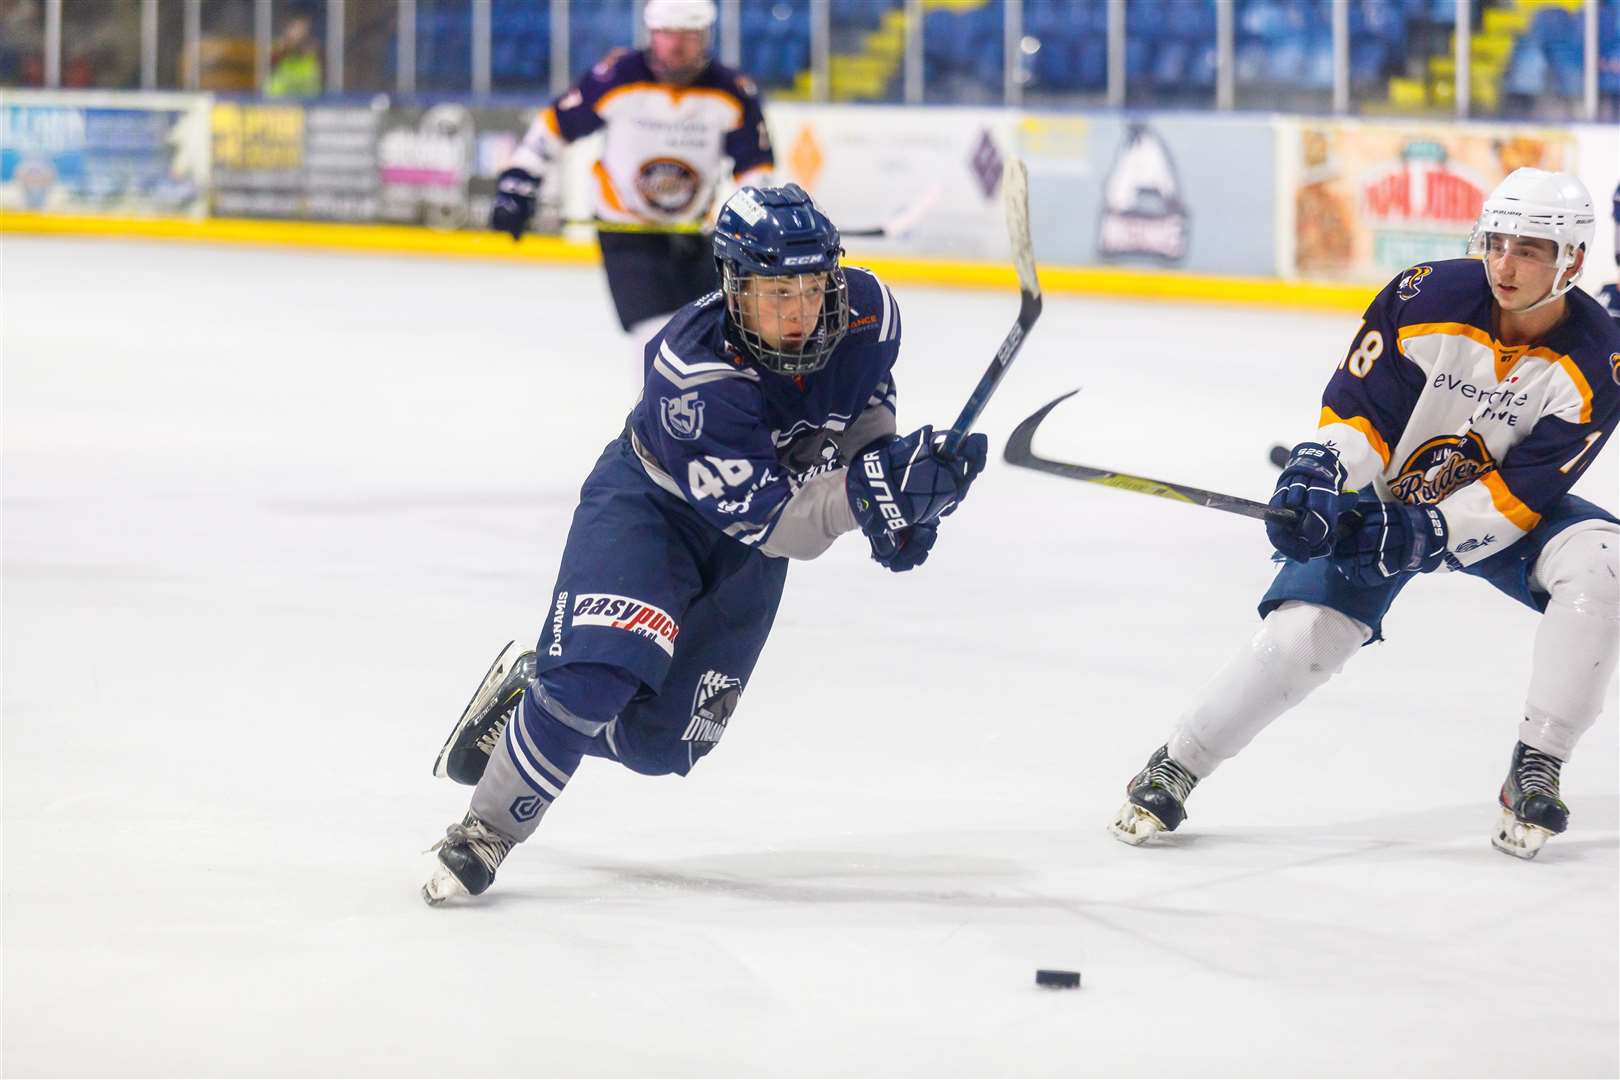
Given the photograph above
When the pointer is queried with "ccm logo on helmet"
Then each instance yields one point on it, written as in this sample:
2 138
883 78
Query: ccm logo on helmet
800 260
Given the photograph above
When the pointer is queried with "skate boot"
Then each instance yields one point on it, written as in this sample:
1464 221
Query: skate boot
1531 808
468 857
466 752
1156 800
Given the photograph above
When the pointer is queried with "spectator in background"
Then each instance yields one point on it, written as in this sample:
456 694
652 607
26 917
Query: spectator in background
295 61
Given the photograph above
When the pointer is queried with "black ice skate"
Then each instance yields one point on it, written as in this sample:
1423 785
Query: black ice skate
1531 808
466 752
1156 800
468 857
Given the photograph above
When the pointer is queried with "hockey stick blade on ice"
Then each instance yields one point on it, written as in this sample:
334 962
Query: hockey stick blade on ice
1015 198
1019 452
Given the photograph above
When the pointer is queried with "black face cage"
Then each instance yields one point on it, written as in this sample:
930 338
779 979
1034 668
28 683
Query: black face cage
831 325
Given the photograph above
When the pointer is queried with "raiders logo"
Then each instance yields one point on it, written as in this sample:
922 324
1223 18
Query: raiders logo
1441 466
1413 281
668 184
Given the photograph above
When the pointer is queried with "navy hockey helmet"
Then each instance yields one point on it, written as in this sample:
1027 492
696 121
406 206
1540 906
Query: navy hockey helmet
785 291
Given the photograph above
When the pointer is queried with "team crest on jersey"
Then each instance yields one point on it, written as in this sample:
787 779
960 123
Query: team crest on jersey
712 705
1441 466
668 184
628 614
682 416
1614 367
1412 281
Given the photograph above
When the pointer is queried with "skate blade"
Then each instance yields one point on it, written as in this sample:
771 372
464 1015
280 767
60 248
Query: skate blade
442 886
492 680
1135 826
1518 838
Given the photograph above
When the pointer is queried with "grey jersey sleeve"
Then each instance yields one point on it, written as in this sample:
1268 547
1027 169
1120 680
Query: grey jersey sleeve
874 423
819 512
816 515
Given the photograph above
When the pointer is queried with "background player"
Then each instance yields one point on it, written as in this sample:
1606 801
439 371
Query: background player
671 118
732 462
1473 396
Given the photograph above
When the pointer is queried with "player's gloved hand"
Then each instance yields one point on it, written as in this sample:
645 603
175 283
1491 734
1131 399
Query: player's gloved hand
1386 539
899 482
906 549
515 193
1311 485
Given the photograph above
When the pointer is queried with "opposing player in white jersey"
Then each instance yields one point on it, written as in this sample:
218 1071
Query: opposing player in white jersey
1474 395
672 119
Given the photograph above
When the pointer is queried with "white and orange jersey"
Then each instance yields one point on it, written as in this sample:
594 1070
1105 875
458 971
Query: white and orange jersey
666 149
1424 366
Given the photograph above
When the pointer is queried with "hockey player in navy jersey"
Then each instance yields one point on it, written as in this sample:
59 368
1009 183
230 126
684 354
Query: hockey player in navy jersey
765 430
1475 393
672 119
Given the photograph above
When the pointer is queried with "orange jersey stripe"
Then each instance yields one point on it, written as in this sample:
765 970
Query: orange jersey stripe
1508 504
1361 424
675 93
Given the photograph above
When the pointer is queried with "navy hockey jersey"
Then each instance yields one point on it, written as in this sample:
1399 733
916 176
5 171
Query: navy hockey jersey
1425 363
754 452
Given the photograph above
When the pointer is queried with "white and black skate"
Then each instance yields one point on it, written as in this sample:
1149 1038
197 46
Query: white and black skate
1531 809
466 752
1156 800
469 855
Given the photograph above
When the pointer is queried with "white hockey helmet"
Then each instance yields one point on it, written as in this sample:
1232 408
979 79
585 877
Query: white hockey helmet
679 14
1543 205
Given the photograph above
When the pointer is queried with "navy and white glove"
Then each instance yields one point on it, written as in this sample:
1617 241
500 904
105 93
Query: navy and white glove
515 193
1311 485
906 549
905 485
1387 539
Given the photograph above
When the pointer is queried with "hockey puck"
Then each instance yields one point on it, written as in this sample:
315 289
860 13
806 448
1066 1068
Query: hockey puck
1279 455
1057 980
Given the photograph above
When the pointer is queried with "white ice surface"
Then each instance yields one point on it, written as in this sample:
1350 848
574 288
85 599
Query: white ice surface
268 515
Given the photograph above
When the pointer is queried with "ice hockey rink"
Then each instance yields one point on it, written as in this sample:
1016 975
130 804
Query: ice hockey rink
268 515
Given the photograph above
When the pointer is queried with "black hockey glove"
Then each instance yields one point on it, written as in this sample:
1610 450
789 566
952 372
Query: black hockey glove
515 193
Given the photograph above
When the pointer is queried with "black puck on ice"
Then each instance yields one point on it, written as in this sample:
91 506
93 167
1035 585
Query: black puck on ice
1279 455
1057 980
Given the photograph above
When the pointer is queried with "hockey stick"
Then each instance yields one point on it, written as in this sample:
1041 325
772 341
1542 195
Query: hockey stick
1018 452
1015 198
897 226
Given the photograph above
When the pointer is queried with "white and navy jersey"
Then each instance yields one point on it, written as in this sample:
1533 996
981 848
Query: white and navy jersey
1425 363
760 456
665 147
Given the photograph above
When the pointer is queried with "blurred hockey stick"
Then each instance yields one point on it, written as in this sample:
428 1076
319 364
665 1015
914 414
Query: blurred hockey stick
1015 197
894 228
1018 452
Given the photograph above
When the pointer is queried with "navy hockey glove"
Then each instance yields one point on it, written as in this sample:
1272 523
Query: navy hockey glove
1311 485
898 482
1389 539
515 192
906 549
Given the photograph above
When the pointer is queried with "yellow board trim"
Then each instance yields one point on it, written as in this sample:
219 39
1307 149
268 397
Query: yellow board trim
1508 504
413 240
1361 424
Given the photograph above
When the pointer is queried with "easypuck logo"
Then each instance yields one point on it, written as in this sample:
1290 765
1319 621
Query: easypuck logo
626 613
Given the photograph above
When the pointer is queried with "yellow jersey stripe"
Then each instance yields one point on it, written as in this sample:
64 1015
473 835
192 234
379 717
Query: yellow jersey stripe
1361 424
1508 504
